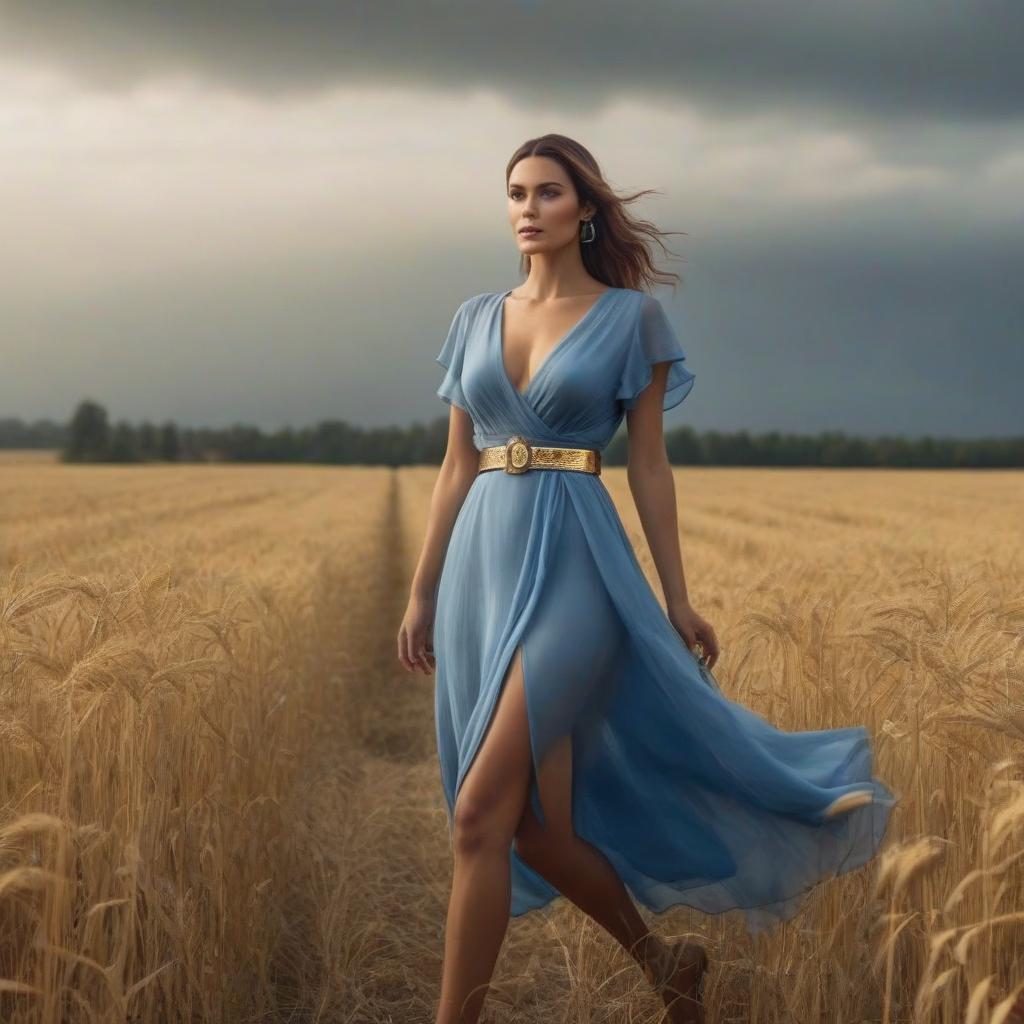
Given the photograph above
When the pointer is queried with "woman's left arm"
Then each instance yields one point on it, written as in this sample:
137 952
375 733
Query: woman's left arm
654 491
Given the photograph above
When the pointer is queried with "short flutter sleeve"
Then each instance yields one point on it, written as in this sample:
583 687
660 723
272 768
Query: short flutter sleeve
450 357
654 341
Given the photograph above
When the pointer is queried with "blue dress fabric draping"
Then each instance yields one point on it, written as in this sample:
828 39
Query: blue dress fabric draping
693 798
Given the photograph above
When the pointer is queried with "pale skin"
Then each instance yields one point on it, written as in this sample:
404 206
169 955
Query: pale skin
492 808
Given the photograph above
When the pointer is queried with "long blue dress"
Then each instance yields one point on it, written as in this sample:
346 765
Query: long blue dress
693 798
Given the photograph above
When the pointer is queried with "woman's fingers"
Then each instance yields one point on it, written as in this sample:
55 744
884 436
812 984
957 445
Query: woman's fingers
403 649
711 645
416 650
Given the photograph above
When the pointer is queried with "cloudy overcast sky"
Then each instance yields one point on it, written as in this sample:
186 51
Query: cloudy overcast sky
268 213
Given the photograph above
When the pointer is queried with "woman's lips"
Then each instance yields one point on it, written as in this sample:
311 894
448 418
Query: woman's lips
529 232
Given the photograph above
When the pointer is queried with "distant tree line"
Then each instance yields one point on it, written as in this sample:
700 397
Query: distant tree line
90 437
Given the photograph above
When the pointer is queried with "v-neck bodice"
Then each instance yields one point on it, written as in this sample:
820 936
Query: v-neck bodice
584 385
565 339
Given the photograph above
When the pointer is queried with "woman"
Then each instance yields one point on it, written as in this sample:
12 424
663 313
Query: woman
584 750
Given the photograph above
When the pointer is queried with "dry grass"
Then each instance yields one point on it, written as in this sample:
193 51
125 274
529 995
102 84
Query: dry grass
220 793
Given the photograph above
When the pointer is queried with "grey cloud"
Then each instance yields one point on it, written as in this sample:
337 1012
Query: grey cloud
883 327
881 310
877 59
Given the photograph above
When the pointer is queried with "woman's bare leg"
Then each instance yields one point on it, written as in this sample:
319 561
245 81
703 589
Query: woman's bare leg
488 809
583 874
578 870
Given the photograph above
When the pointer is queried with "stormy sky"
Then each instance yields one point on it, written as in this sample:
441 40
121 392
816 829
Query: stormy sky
267 213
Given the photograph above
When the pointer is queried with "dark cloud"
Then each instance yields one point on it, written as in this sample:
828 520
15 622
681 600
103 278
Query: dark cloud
913 58
886 327
889 325
868 283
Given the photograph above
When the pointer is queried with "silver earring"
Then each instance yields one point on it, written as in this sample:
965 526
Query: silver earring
584 237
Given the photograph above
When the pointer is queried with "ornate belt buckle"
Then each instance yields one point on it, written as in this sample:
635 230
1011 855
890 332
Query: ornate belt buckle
518 454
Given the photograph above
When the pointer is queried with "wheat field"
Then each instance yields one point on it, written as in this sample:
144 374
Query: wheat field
220 795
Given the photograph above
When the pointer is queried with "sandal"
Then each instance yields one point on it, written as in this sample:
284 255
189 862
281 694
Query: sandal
681 954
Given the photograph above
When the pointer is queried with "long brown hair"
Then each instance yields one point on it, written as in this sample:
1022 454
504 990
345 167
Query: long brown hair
619 255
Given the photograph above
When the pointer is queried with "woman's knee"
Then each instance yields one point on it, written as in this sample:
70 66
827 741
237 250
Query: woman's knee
481 823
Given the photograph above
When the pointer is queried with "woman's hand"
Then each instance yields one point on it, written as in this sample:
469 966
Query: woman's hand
694 628
415 637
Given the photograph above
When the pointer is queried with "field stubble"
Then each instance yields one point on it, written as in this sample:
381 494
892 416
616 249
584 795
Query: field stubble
220 793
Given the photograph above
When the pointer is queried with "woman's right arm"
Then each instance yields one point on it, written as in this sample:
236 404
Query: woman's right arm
456 476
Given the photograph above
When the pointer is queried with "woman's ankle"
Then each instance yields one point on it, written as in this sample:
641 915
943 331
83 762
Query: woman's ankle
651 949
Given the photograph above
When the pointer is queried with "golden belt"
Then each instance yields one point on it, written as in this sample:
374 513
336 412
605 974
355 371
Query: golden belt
517 455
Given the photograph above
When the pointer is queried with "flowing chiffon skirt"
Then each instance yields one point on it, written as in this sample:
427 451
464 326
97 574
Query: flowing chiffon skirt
693 798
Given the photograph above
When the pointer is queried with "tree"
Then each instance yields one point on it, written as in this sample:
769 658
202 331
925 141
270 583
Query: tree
88 433
124 443
169 445
147 440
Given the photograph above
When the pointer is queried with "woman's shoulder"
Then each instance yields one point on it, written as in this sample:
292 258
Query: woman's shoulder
643 298
642 305
474 302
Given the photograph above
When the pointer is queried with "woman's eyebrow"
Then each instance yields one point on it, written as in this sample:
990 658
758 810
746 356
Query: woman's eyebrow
543 184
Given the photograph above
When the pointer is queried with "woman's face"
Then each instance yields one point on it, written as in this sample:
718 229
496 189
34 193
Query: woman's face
541 196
